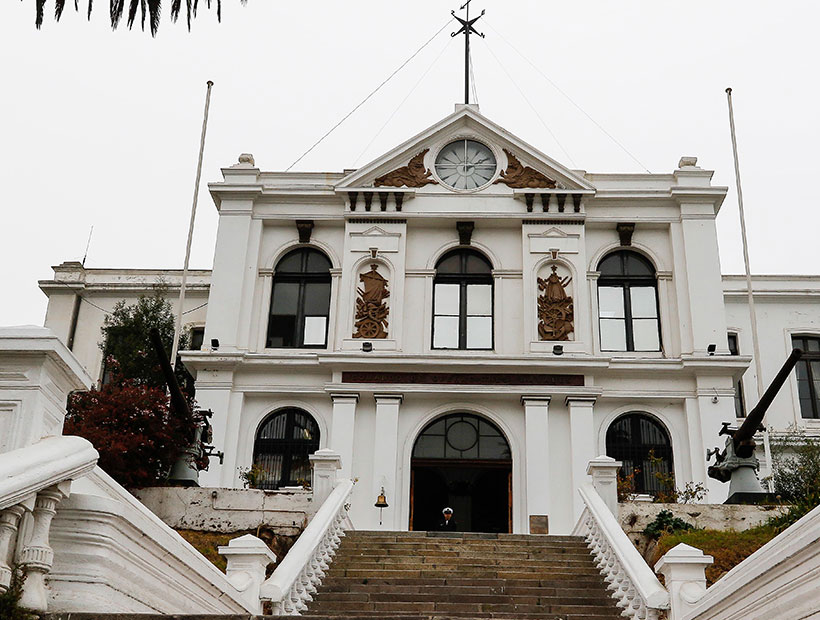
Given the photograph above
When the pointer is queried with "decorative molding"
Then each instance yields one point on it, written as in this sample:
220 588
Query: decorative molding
625 230
305 228
371 308
465 232
371 220
465 378
414 174
520 176
555 222
556 313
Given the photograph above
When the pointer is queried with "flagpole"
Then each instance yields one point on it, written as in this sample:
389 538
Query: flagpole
749 293
181 302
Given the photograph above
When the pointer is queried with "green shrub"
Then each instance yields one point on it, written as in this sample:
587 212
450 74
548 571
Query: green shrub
10 599
665 522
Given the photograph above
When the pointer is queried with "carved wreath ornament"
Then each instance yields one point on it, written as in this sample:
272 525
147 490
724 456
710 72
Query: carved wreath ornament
371 307
555 308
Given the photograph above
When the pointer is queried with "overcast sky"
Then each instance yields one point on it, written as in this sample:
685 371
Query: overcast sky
102 128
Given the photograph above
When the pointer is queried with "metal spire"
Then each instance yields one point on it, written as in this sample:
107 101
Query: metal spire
467 29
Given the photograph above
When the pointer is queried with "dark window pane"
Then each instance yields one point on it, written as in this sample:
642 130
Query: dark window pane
317 262
612 265
733 348
637 265
317 298
281 331
644 447
477 264
283 443
285 298
197 336
290 263
466 436
449 264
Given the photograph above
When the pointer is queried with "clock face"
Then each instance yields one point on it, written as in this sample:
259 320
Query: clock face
465 164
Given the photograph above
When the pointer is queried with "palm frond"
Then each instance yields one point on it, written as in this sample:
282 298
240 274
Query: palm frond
144 11
188 4
132 13
38 20
219 10
58 9
116 10
154 8
175 6
90 3
196 5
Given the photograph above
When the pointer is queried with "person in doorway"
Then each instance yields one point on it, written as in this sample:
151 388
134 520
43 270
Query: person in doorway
448 524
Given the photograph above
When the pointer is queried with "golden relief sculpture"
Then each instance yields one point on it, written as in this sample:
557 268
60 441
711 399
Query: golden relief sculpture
413 174
519 176
555 308
371 308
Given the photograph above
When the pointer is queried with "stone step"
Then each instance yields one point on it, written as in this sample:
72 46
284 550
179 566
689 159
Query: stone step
584 589
475 608
454 597
422 561
465 535
534 581
330 616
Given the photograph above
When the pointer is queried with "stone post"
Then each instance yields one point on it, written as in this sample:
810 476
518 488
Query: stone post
536 421
248 558
325 463
582 445
385 457
37 556
341 429
604 472
684 570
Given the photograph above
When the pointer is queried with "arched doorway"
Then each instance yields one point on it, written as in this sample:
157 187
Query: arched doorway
463 461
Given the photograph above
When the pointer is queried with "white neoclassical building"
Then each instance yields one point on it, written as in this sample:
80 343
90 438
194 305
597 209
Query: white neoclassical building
467 322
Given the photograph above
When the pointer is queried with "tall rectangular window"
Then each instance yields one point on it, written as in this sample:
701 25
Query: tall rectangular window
808 375
740 407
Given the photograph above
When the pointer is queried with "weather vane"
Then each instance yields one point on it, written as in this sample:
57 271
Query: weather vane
467 29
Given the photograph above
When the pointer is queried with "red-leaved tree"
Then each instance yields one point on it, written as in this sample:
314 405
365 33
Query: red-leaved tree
133 428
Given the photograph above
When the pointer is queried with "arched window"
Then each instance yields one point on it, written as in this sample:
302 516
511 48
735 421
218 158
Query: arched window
463 301
643 446
462 436
281 449
628 303
300 300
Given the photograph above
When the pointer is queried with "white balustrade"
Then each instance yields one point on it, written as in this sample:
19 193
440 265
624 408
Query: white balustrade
632 583
296 579
34 479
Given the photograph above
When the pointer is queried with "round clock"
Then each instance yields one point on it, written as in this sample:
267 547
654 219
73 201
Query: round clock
465 164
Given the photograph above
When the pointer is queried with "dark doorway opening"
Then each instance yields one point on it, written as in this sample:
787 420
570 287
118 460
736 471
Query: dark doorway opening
464 462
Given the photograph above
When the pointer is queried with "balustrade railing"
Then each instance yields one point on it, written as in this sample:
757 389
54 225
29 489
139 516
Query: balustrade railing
292 585
633 584
34 479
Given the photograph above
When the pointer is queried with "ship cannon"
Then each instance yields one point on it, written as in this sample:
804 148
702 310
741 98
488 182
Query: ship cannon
736 463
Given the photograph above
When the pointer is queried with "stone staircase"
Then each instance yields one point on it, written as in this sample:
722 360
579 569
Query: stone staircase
432 575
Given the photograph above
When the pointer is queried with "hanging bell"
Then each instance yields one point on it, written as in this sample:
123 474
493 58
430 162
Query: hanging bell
381 501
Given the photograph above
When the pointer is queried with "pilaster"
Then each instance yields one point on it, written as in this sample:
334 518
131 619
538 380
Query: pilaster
342 429
582 444
536 433
385 457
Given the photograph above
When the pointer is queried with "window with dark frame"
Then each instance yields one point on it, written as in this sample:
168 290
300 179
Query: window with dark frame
283 444
628 303
197 337
740 406
463 301
808 375
644 447
461 436
300 301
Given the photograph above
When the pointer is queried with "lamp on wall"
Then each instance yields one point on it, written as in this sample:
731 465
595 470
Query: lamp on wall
558 349
214 344
367 347
711 349
381 504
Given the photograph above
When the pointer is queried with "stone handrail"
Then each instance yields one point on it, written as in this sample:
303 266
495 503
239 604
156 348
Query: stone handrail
35 479
294 581
633 584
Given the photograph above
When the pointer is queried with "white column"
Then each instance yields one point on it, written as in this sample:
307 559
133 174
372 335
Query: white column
582 445
385 457
213 391
325 464
684 571
341 429
536 421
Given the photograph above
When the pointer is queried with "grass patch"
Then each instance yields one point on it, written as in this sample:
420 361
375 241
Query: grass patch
729 548
208 542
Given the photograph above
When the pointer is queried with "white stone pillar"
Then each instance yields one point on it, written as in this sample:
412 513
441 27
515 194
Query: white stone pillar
385 457
248 558
684 571
536 433
325 465
38 557
341 429
213 391
582 445
604 472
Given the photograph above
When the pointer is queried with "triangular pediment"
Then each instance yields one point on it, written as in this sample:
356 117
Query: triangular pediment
411 164
553 232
